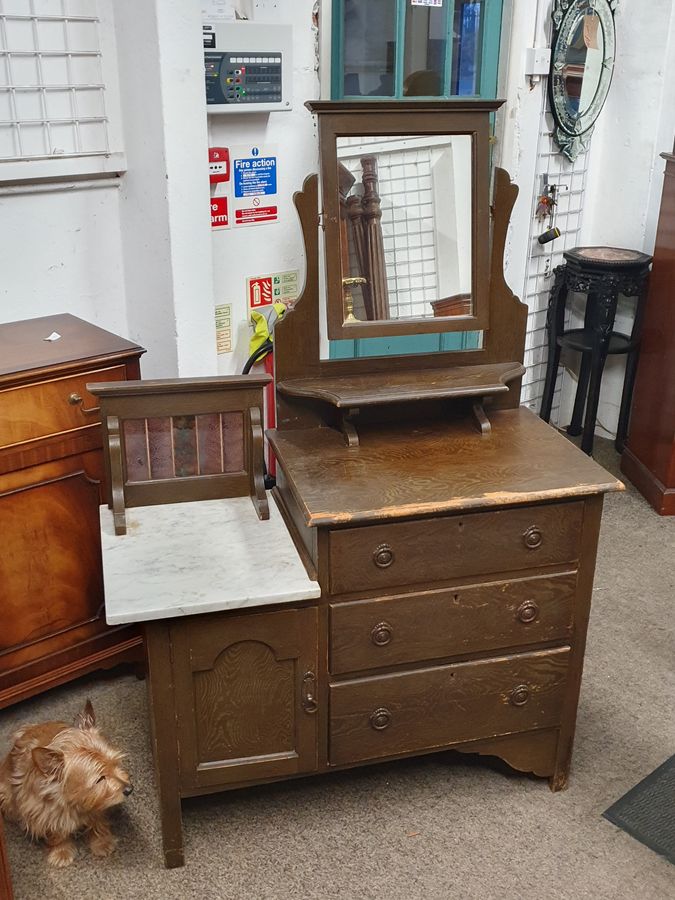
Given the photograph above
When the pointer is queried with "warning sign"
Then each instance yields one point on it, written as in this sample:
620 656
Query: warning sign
255 182
224 328
259 292
256 214
280 287
219 213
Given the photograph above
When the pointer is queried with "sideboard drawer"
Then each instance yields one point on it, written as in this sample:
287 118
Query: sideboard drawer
51 407
399 553
410 711
373 634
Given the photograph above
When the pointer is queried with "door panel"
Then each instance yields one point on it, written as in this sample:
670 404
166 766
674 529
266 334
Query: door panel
245 692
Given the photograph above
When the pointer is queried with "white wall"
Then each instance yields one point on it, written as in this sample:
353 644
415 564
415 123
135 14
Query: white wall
625 179
61 251
132 255
165 197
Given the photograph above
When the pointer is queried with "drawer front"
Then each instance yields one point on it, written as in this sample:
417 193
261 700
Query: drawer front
399 553
372 634
51 407
407 712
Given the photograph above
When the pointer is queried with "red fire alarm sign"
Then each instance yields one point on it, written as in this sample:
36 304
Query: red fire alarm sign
219 213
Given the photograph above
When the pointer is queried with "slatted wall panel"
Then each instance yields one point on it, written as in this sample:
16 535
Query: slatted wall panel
570 179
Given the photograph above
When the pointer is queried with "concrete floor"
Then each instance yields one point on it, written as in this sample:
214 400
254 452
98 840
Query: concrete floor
444 827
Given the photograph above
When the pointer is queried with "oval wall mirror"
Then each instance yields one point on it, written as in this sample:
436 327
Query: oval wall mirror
582 62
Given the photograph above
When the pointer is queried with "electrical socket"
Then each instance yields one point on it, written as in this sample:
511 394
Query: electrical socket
537 60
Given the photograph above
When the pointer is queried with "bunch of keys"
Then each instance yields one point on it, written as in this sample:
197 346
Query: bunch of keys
546 204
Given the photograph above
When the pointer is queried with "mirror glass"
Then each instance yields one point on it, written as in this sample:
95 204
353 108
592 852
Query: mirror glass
583 64
405 226
581 69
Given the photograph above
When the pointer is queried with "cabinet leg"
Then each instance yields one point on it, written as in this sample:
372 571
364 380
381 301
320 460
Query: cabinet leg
165 739
597 367
172 829
626 398
560 778
575 426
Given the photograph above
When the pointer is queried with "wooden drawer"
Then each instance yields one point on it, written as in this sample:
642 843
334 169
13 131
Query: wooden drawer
427 550
407 712
40 410
373 634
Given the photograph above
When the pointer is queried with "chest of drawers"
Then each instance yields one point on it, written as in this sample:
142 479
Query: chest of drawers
462 627
51 484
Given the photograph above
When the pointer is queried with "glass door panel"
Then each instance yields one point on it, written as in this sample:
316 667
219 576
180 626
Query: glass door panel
369 48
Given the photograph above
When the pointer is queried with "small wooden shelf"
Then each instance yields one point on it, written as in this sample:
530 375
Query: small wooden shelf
375 389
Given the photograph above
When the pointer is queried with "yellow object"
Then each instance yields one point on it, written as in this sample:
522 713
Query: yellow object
261 327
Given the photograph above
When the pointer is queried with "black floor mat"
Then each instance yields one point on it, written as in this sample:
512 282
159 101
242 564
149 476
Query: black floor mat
647 811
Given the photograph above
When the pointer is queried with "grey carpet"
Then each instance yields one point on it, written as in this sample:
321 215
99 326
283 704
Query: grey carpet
435 828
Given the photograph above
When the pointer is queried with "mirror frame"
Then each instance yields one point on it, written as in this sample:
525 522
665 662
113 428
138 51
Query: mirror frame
384 118
573 133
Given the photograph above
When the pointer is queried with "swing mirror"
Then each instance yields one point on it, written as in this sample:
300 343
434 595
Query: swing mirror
405 196
582 62
405 226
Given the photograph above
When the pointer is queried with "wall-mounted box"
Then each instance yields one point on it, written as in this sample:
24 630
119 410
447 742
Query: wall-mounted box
248 67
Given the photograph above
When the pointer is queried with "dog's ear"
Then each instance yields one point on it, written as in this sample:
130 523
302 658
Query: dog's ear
48 761
86 718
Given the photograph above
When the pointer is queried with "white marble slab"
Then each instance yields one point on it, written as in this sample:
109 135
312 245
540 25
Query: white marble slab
181 559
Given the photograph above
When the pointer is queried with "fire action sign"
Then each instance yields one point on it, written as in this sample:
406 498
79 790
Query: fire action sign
255 190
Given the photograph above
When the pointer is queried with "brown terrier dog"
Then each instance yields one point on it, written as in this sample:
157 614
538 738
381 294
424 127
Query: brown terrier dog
58 780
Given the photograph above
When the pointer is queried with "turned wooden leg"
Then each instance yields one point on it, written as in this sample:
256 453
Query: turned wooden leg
626 398
597 367
555 320
575 426
165 740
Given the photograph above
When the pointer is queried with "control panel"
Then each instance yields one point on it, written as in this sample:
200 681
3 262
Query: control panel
247 67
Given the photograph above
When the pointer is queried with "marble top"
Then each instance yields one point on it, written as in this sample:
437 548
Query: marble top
181 559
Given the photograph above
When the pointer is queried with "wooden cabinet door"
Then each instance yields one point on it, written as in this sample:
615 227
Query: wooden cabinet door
246 696
51 590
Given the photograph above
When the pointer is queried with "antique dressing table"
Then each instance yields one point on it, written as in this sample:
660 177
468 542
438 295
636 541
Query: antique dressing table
448 535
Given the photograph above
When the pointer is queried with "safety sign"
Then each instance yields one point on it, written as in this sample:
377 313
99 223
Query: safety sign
280 287
219 213
255 185
224 328
255 177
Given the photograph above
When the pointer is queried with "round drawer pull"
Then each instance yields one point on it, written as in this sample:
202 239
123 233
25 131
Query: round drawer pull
382 634
380 719
76 400
520 695
527 612
383 556
533 538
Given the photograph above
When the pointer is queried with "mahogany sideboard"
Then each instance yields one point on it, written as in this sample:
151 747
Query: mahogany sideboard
51 485
649 457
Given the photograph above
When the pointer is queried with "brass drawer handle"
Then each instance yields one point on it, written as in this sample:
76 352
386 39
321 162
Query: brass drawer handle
383 556
380 719
527 612
533 538
382 634
309 701
520 695
76 400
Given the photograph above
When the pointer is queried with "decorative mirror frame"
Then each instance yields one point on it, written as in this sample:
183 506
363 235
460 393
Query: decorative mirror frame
405 118
572 133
